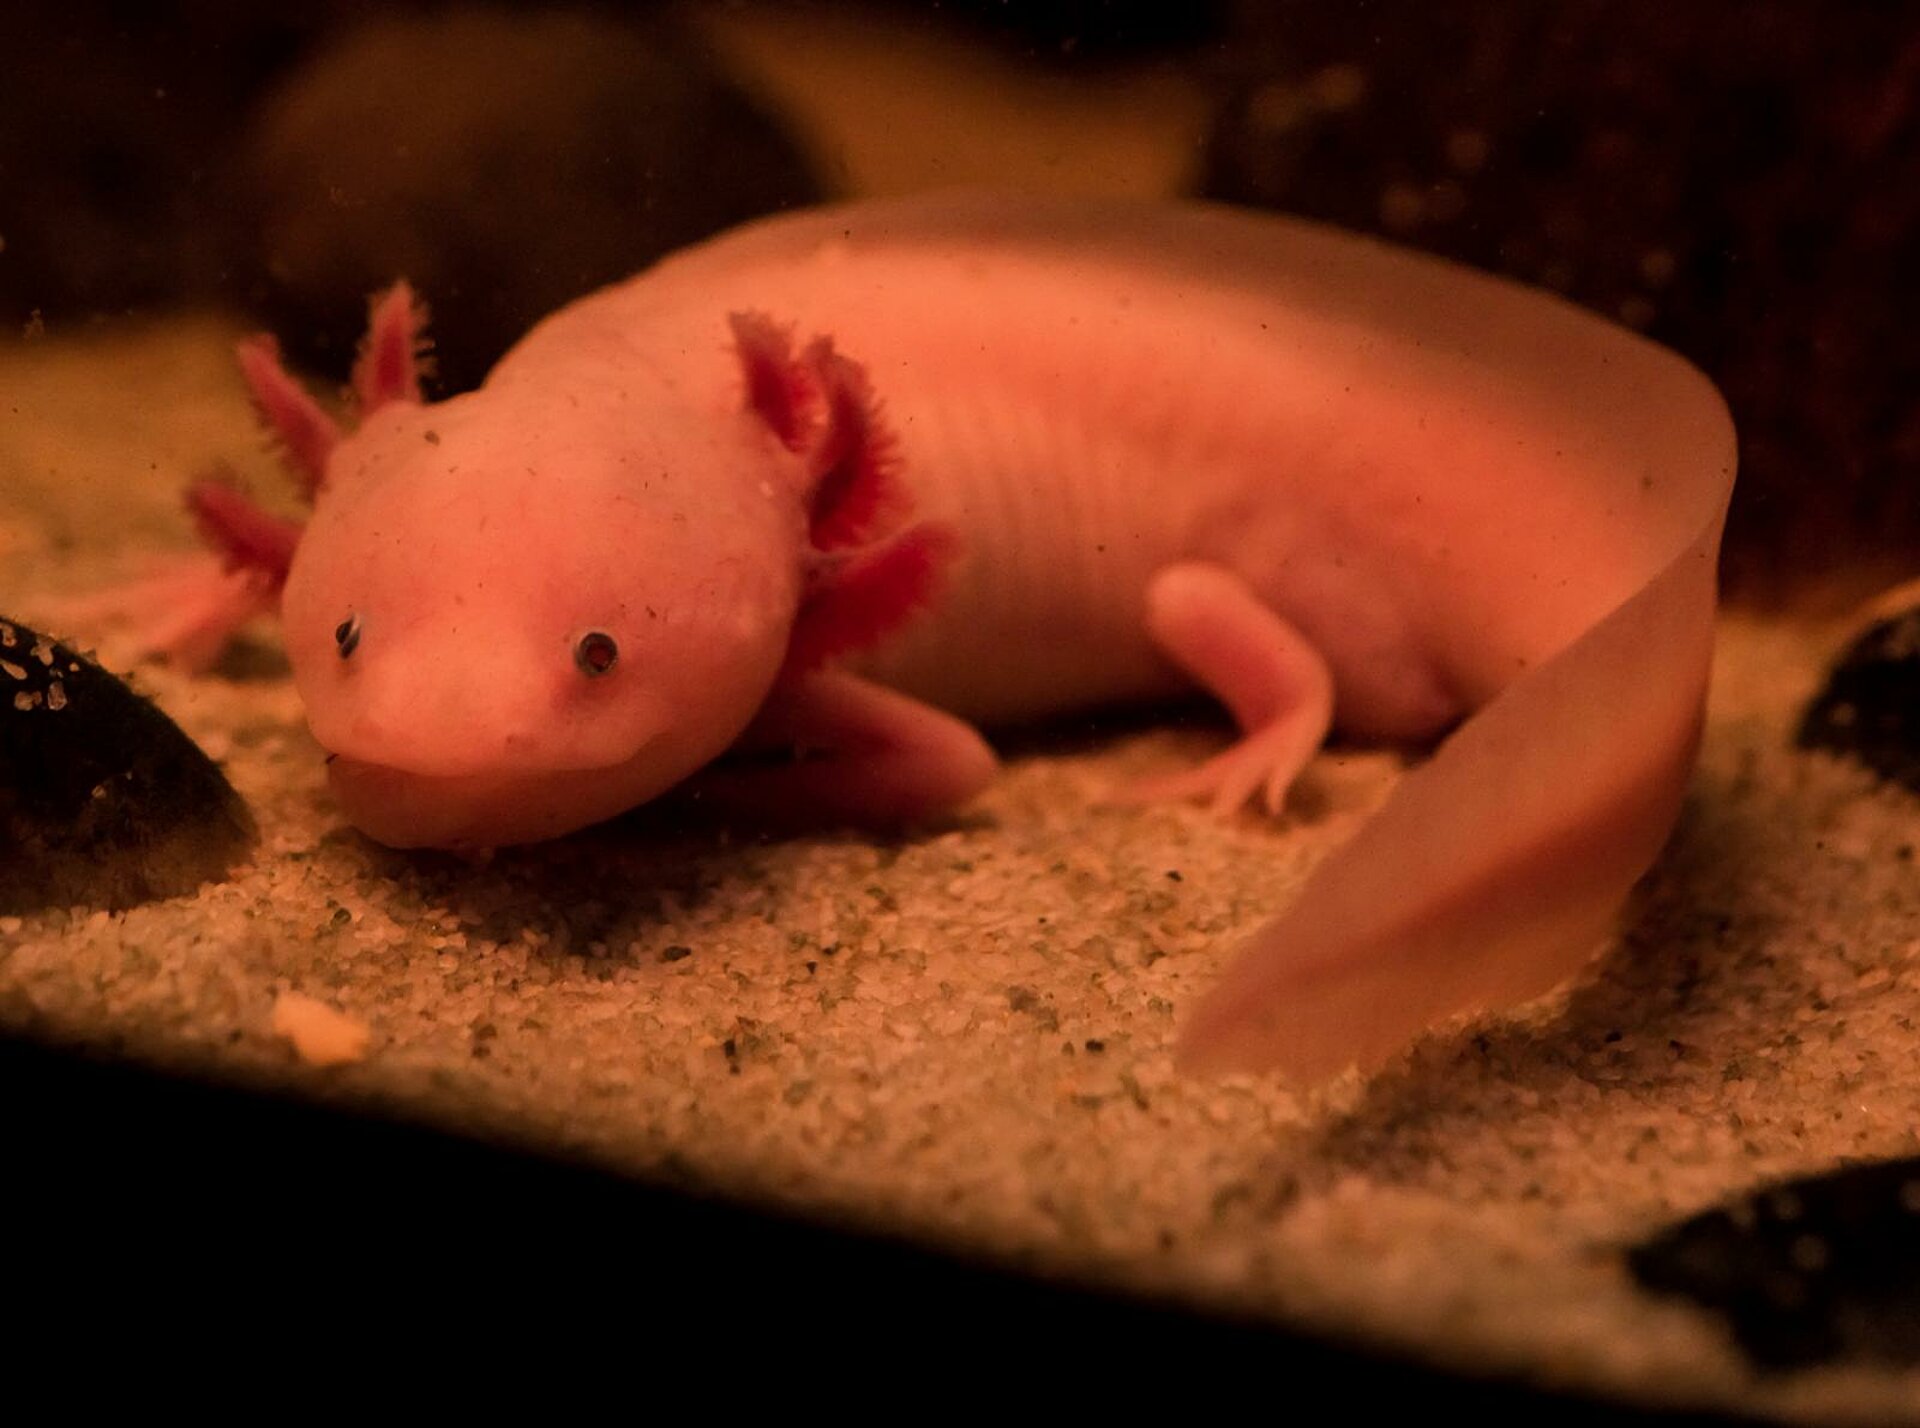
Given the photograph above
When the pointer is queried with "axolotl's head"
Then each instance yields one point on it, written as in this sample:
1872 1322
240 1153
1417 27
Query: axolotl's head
502 633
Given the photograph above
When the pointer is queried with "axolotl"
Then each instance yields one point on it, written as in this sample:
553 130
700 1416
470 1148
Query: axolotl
838 487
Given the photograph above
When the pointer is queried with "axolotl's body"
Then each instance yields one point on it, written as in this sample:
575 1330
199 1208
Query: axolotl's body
854 480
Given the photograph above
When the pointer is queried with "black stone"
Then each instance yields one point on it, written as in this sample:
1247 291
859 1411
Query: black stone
1870 707
1807 1271
103 800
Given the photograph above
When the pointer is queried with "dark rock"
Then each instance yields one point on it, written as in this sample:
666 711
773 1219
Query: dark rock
1870 707
1740 179
1808 1271
505 163
103 801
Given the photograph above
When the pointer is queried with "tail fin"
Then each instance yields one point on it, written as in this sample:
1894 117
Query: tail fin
1494 870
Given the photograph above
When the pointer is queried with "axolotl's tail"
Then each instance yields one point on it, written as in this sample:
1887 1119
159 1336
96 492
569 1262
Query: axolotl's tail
1495 870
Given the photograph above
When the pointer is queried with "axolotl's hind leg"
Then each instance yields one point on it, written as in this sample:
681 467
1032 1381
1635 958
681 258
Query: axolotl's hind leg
1275 683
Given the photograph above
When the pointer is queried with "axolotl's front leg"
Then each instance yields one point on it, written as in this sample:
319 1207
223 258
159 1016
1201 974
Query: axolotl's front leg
831 746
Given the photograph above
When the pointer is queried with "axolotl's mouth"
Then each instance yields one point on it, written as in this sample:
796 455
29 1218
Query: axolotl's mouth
456 784
468 812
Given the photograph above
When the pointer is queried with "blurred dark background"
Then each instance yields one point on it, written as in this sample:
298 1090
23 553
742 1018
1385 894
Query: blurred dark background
1736 178
506 159
1740 181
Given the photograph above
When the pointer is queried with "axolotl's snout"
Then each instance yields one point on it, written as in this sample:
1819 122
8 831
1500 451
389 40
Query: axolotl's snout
439 735
434 740
438 738
498 662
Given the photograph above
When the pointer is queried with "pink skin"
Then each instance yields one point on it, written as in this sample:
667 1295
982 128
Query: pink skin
460 717
1330 483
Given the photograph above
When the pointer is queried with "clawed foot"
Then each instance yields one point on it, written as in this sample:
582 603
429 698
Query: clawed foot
1264 764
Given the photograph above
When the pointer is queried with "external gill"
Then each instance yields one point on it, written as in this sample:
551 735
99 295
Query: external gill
868 570
187 610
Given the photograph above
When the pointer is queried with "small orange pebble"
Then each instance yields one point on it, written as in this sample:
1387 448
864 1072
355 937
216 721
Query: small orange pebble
321 1035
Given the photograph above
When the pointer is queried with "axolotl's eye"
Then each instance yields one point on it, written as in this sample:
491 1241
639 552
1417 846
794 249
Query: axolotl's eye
595 653
346 634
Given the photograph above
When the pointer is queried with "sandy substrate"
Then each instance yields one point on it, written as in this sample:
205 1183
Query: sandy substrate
967 1033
